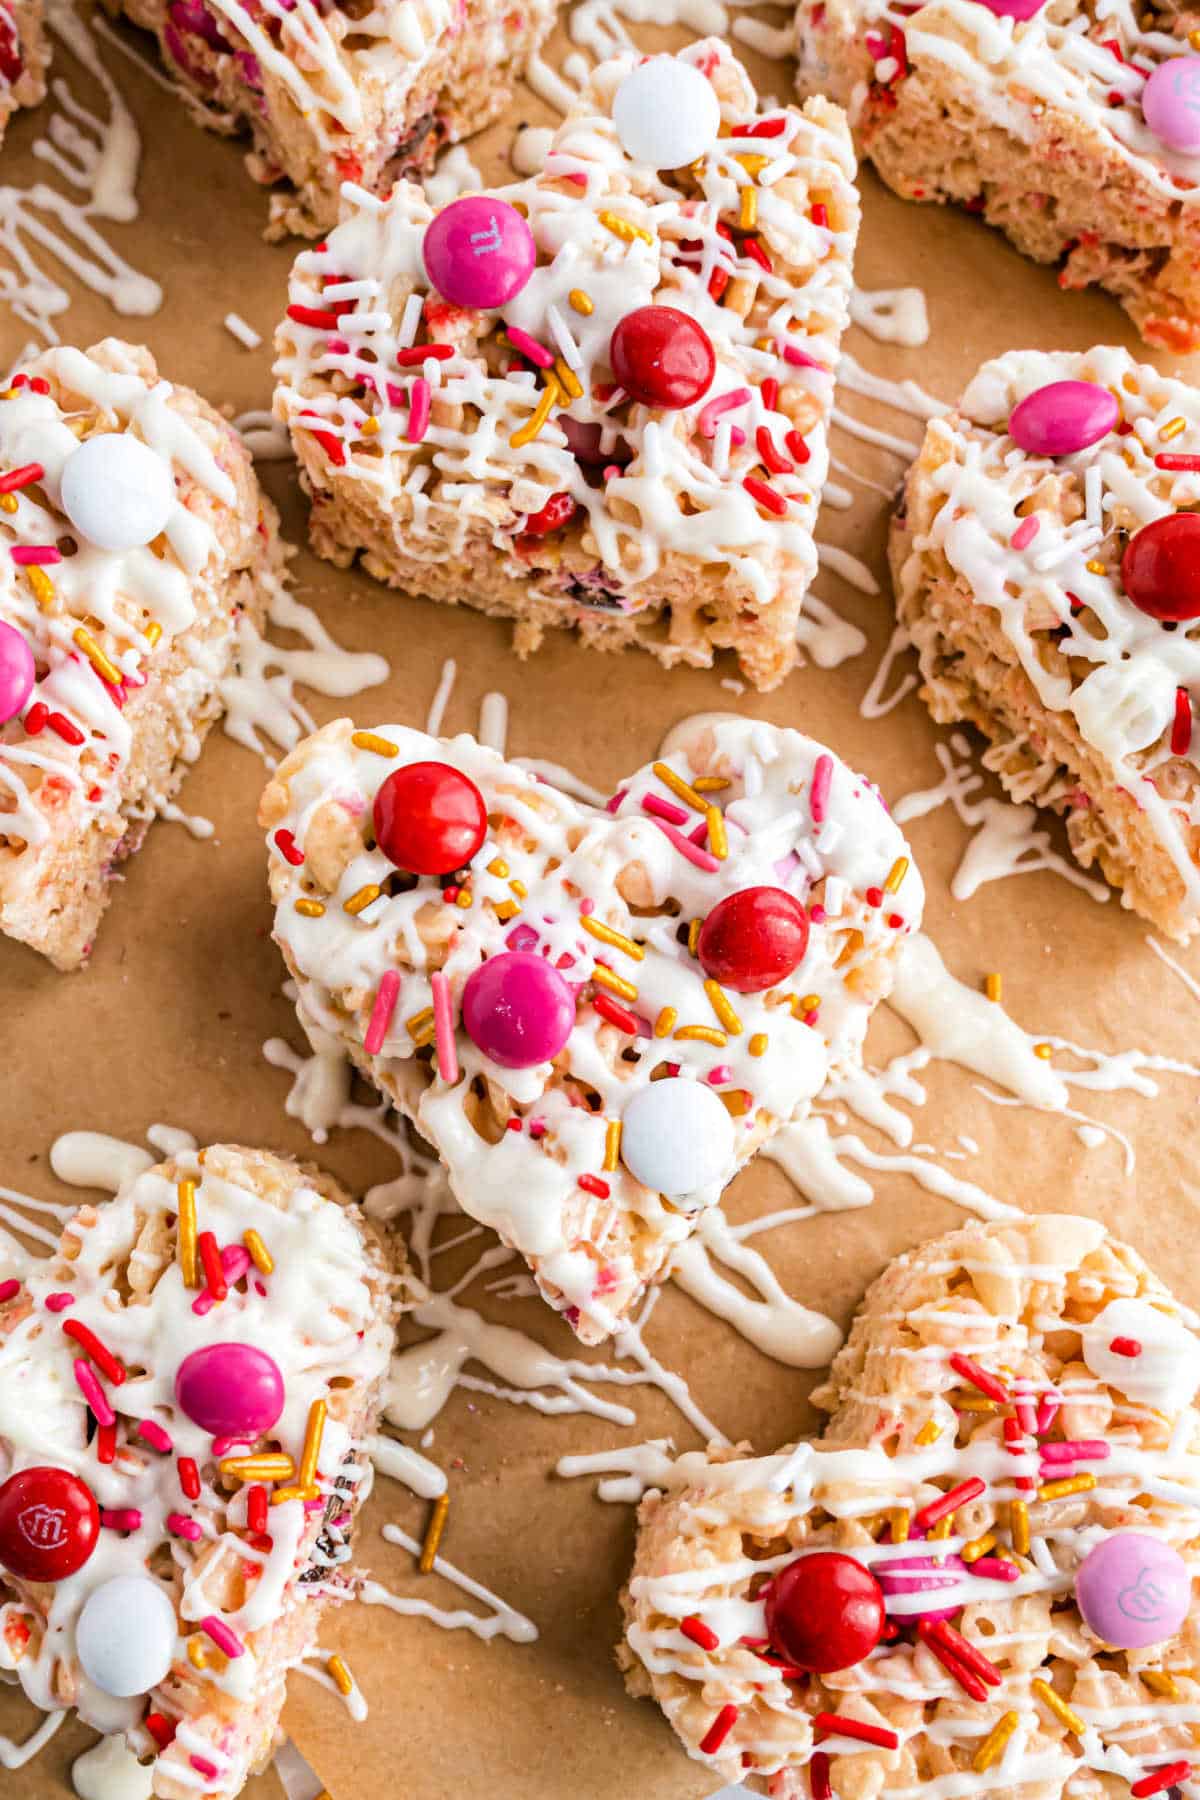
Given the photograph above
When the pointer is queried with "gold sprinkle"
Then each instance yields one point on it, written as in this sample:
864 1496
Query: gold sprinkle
1160 1682
197 1654
1045 1051
718 842
433 1537
681 789
152 633
258 1468
1171 429
703 1034
1194 39
993 1744
900 1520
1018 1526
568 380
598 929
342 1678
758 1044
993 987
928 1434
719 1000
710 784
736 1102
370 426
314 1431
616 984
581 302
665 1022
1074 1484
103 665
260 1256
499 868
853 944
419 1022
309 909
547 401
505 910
43 587
748 209
976 1404
186 1233
895 875
942 1528
282 1495
752 161
694 930
1095 567
463 898
625 229
359 902
1055 1704
978 1547
8 503
612 1146
519 889
810 1003
370 740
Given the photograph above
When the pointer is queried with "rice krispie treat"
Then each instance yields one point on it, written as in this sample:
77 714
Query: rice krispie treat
1046 560
24 54
979 1581
1074 128
595 1016
331 91
133 538
598 397
185 1390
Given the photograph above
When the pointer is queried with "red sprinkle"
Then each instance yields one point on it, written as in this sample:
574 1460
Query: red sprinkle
855 1728
256 1509
1161 1778
754 250
160 1729
25 476
819 213
9 1290
106 1443
415 354
1181 725
945 1504
35 718
962 1648
874 896
1125 1346
797 447
189 1477
214 1268
979 1377
318 316
592 1184
700 1633
764 495
39 385
1167 459
965 1677
66 728
618 1015
719 1730
762 128
818 1776
765 444
287 847
90 1344
770 393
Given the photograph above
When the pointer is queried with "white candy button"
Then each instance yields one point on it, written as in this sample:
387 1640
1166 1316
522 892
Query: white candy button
676 1136
116 491
125 1638
666 113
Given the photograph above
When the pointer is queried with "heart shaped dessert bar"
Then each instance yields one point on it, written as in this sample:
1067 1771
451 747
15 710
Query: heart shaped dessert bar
185 1387
596 1016
980 1578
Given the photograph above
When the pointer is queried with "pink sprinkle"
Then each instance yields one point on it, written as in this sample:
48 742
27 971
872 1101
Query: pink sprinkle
822 778
722 404
993 1568
1027 1417
57 1303
35 553
537 1128
153 1434
810 1018
699 859
611 804
664 809
612 470
203 1767
522 937
93 1393
235 1261
223 1636
1047 1413
699 834
443 1028
418 415
1026 531
816 913
720 1075
528 347
183 1527
314 1505
9 1290
587 907
1076 1450
386 995
121 1518
800 359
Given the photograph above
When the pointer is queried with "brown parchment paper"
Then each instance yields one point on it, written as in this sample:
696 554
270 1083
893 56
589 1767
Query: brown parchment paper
167 1022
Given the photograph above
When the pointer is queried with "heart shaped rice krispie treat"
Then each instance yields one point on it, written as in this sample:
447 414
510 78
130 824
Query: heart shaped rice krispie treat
1046 561
24 54
185 1390
979 1579
595 1016
598 397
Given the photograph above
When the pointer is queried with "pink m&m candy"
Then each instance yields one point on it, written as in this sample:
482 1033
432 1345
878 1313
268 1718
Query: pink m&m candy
1062 417
479 251
1133 1590
1013 9
230 1390
518 1009
17 673
1171 103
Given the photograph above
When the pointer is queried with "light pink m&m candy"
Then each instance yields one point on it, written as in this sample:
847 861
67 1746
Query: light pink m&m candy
1133 1590
1062 417
17 672
1171 103
230 1390
479 251
518 1009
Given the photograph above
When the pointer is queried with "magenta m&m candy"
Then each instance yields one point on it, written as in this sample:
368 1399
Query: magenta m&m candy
479 251
230 1390
666 113
17 672
1133 1590
429 818
824 1612
662 357
1171 103
677 1137
1160 570
49 1523
517 1009
1062 417
753 939
1020 10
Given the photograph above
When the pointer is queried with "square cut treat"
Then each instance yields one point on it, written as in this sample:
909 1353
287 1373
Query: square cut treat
598 397
1046 561
595 1016
333 90
186 1386
980 1579
24 54
133 539
1073 128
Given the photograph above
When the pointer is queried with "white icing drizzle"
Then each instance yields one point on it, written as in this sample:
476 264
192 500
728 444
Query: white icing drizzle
501 1620
441 697
891 316
111 1771
264 436
15 1756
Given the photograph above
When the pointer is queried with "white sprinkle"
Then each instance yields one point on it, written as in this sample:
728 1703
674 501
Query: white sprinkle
834 898
561 334
1092 491
245 334
410 320
720 451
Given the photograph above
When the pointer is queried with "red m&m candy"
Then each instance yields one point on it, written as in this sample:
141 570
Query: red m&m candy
429 818
753 939
1160 570
662 357
824 1612
49 1523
